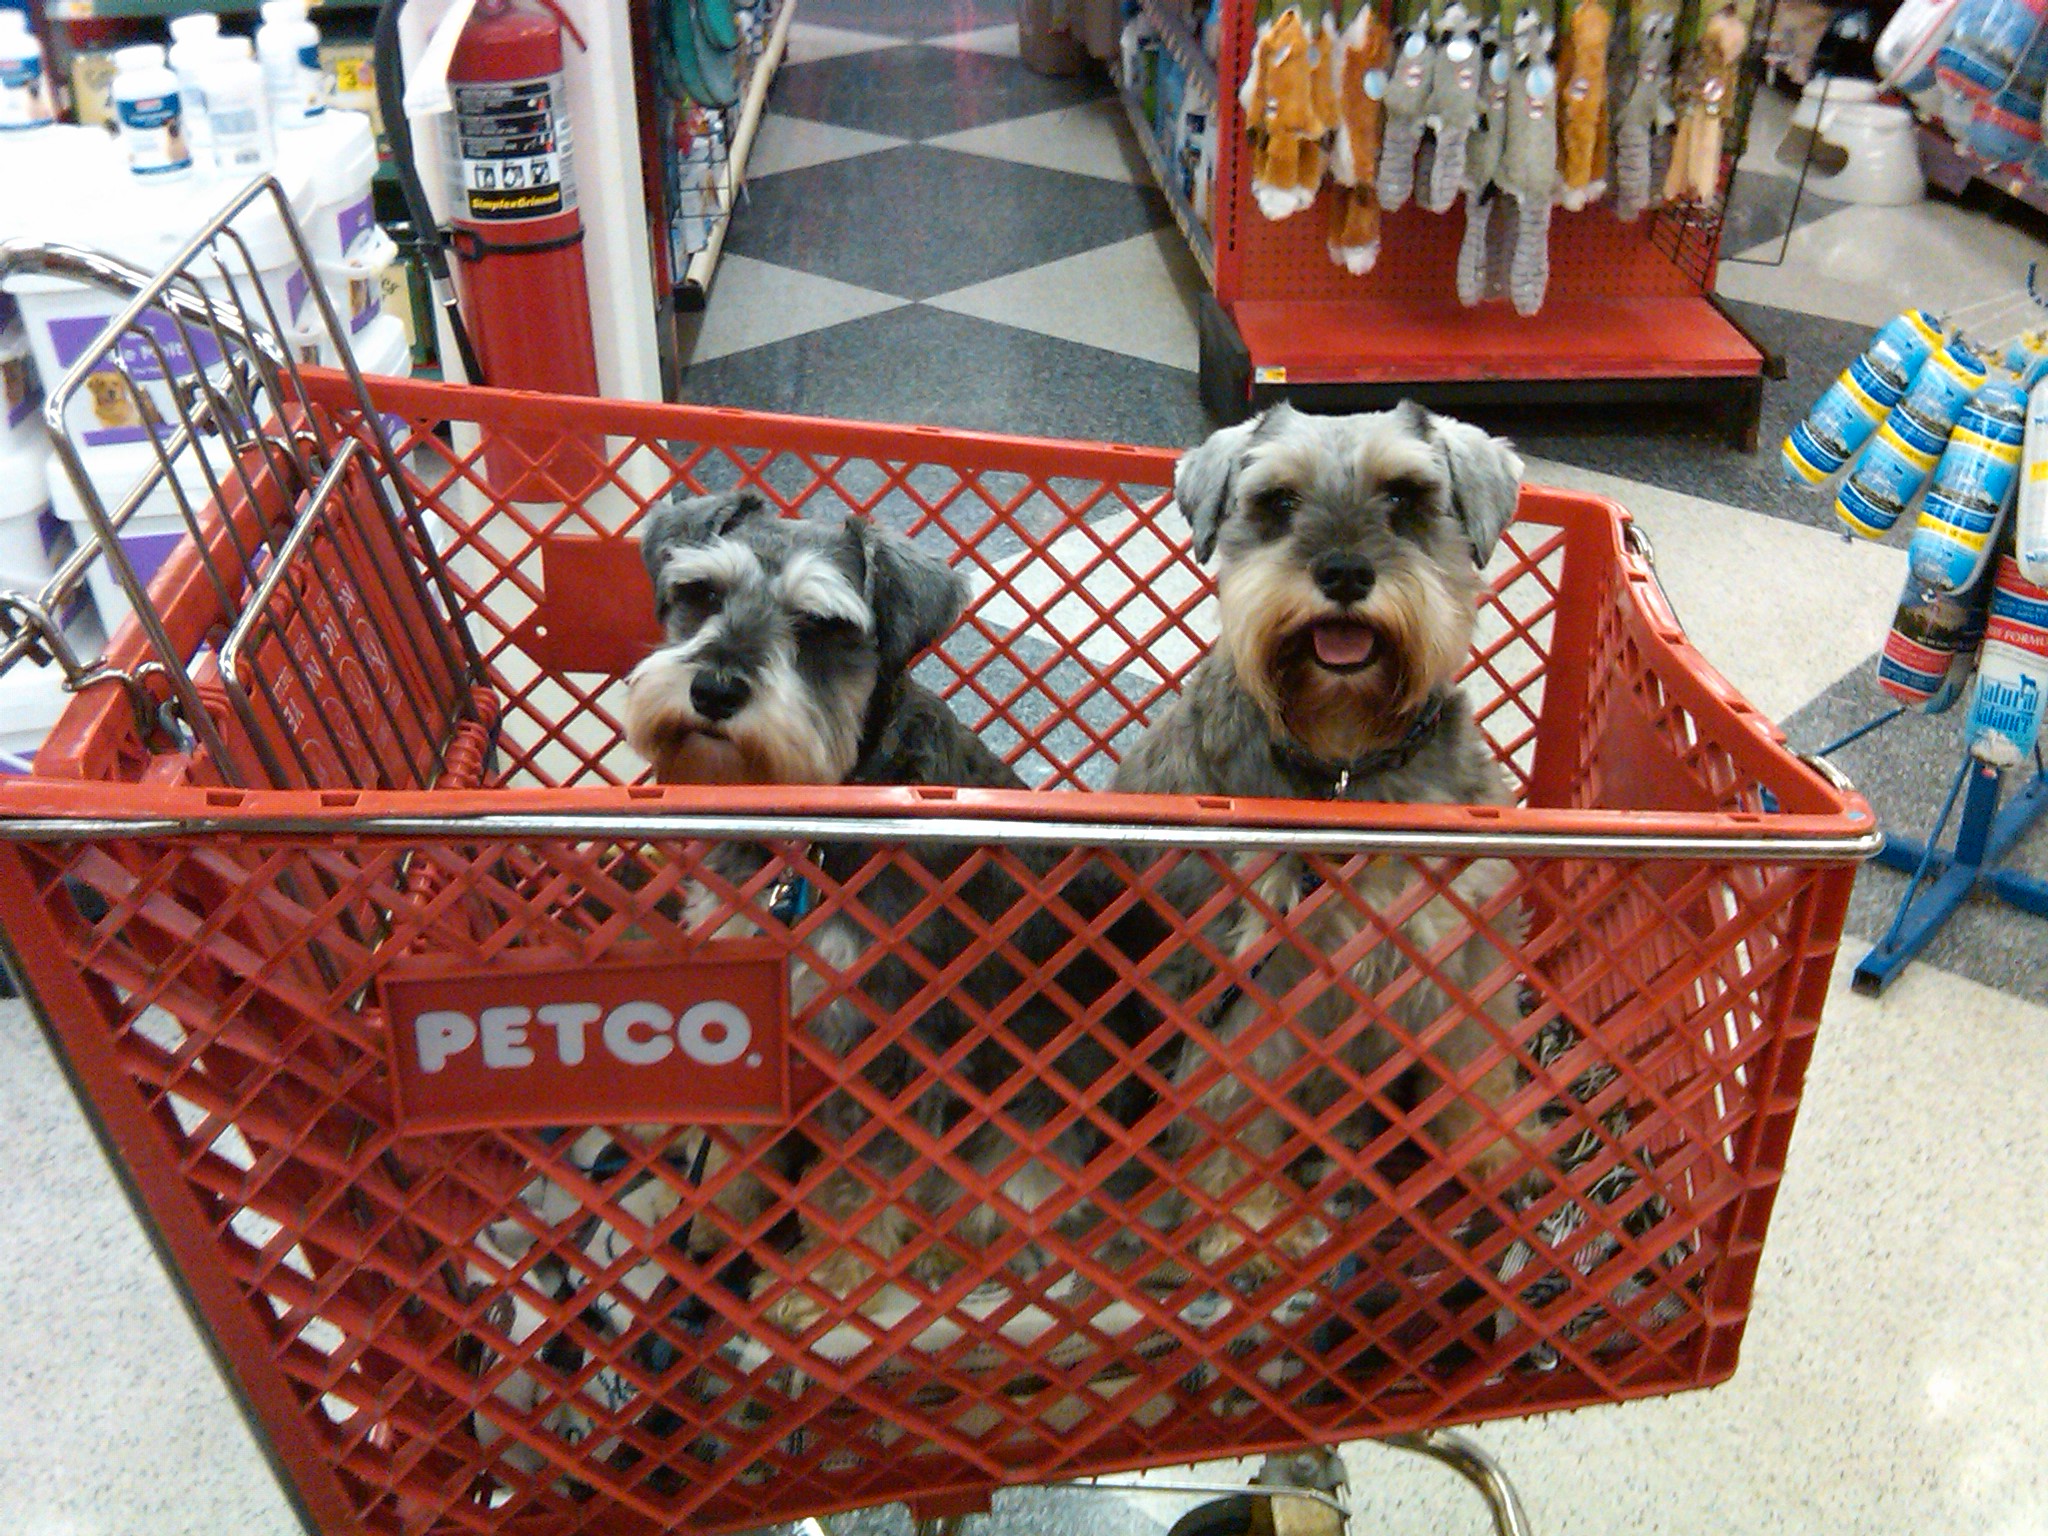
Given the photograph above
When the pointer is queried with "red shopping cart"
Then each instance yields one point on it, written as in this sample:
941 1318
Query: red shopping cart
352 778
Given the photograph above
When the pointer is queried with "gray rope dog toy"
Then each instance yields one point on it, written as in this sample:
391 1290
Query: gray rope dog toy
1453 104
1482 160
1407 104
1645 110
1528 168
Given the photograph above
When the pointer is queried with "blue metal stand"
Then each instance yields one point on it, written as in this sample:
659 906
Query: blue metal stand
1944 877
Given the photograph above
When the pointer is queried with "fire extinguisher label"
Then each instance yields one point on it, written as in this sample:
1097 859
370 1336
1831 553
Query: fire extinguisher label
509 151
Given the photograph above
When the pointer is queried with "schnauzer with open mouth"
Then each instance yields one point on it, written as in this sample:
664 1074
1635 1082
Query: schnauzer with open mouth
1347 554
788 663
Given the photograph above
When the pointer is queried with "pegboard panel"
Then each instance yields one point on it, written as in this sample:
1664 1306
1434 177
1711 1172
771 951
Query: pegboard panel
1592 255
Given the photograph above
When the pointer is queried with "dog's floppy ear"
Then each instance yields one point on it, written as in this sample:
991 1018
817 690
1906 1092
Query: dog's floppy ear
914 597
1205 480
1486 481
695 520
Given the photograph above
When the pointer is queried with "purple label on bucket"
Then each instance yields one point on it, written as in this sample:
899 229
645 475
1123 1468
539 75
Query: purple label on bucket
147 552
295 291
353 221
150 351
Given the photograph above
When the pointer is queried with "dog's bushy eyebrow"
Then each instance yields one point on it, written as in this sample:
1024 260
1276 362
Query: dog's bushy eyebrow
723 562
811 582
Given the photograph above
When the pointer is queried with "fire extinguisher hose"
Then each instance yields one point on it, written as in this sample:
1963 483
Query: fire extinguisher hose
433 241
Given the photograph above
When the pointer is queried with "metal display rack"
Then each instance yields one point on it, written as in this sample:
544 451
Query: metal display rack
1630 316
1187 52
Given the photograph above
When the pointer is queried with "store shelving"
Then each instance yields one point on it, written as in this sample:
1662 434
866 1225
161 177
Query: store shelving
1185 47
1169 186
695 286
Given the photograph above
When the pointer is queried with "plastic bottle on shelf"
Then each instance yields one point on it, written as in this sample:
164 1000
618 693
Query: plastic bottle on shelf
150 114
236 103
192 43
2004 722
288 47
24 83
1909 444
1932 648
1842 420
1972 491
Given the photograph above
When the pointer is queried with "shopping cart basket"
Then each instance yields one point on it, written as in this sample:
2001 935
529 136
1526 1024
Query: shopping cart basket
345 811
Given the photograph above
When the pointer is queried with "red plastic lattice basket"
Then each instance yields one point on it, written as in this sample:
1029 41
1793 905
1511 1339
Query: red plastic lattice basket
491 1314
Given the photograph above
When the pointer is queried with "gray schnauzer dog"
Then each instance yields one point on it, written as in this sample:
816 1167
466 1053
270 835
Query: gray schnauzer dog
1347 557
788 662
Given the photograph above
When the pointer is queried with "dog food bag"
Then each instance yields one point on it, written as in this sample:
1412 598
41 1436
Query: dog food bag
1932 648
2005 711
1842 420
1972 491
151 114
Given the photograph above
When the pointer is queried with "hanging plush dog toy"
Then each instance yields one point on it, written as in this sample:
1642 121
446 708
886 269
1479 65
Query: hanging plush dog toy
1528 166
1644 111
1706 99
1482 161
1360 56
1453 104
1407 104
1582 69
1287 110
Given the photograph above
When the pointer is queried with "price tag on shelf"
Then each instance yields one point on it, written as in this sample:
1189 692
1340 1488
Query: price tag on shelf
1272 373
71 10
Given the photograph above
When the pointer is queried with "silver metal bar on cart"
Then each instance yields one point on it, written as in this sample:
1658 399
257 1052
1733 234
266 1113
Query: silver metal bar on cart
1765 847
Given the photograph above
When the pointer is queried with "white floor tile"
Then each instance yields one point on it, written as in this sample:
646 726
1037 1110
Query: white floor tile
1863 265
1093 139
1133 297
756 302
1781 609
808 44
790 143
999 40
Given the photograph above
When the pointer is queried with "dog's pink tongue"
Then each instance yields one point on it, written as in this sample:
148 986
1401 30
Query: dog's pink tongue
1343 645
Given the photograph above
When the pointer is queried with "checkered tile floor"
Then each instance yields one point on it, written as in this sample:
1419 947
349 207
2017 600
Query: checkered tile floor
934 234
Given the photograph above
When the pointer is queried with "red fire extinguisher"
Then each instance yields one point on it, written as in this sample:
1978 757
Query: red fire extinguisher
517 237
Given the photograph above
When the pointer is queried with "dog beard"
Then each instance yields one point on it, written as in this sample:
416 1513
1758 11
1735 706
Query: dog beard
1344 681
781 737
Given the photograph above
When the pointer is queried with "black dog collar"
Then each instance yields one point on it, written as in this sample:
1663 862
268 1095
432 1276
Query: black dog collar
1382 760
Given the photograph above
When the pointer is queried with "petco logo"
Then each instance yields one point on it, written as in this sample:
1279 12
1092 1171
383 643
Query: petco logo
698 1040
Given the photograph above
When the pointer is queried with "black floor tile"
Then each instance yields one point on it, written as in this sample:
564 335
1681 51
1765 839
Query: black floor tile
920 93
919 364
919 221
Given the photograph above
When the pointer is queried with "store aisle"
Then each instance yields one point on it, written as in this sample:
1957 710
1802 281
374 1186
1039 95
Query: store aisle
934 233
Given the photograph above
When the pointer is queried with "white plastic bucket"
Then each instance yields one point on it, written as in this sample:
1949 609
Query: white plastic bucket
32 538
151 533
338 152
144 225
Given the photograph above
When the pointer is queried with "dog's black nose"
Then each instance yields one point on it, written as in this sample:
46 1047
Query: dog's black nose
718 694
1343 576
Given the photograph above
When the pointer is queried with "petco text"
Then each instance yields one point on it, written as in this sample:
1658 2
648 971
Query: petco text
636 1033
